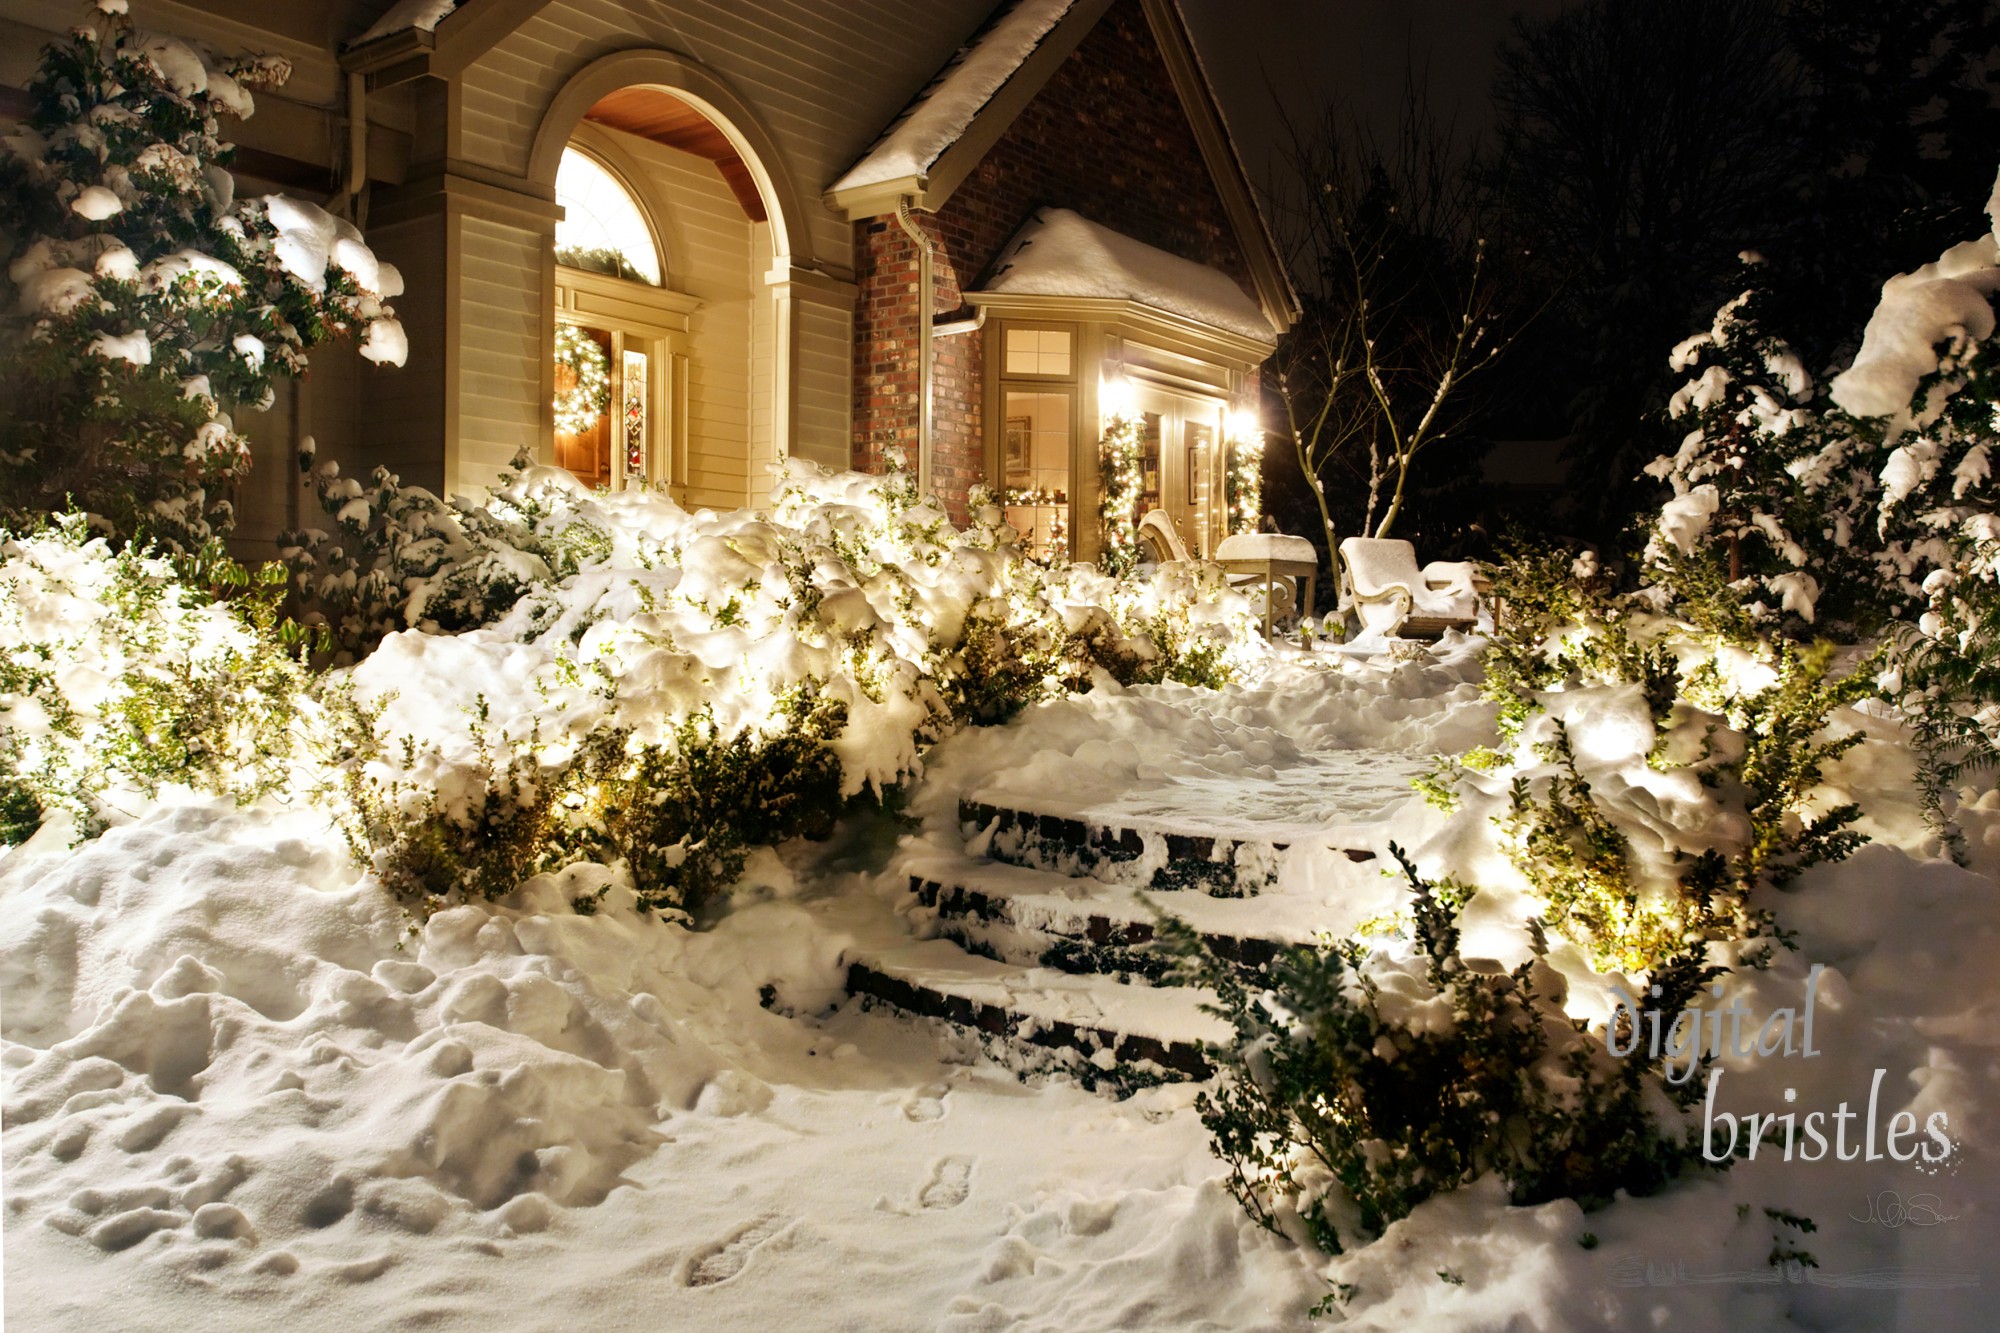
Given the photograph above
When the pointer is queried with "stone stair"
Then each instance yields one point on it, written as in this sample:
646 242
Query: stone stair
1040 929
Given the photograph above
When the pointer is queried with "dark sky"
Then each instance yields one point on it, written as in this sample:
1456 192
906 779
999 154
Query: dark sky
1358 52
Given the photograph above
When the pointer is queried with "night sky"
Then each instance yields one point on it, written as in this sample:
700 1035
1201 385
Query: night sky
1354 52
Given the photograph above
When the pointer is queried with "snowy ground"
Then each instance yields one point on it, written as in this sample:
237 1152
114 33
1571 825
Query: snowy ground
237 1097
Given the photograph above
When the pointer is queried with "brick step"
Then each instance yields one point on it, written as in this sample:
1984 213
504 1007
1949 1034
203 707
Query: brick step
1224 864
1144 1031
1033 917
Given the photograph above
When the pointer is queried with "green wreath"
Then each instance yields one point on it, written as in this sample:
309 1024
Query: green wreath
581 406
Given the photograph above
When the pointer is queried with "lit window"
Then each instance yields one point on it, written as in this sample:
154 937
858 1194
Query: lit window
1037 352
1035 454
602 228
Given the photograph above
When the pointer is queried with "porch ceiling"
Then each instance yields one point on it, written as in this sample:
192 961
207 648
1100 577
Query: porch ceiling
653 113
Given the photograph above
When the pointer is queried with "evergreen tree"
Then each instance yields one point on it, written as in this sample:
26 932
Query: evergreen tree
1766 497
144 304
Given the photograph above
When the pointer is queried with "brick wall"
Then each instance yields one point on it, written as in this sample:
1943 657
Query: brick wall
1106 137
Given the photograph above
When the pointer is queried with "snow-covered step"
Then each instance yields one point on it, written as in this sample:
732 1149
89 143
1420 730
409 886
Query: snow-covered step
1028 916
1154 1031
1222 861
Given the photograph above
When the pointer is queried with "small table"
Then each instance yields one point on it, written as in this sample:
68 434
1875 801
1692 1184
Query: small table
1272 556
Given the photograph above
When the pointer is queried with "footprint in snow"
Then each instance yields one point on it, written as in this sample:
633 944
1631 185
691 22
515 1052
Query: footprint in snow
926 1103
719 1263
951 1182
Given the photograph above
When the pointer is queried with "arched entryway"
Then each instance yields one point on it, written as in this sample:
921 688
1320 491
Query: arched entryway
693 338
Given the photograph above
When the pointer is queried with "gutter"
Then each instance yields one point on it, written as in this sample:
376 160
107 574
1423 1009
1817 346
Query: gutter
945 328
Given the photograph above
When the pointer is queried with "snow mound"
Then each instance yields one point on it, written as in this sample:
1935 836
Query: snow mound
209 1008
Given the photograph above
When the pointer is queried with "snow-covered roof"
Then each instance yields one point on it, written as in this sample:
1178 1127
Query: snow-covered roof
423 15
937 117
1062 253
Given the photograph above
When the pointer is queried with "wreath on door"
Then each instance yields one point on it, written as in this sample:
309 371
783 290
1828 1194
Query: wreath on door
583 381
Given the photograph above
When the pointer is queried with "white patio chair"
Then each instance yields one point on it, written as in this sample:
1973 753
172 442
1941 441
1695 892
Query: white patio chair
1394 599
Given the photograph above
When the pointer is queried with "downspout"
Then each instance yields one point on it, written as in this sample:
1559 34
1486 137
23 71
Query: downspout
357 144
924 300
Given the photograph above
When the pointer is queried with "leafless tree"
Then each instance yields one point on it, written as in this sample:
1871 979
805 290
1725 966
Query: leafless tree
1400 305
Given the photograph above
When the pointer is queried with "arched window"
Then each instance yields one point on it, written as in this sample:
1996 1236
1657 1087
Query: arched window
621 353
602 229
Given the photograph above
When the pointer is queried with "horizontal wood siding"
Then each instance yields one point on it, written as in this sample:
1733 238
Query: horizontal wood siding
825 362
500 353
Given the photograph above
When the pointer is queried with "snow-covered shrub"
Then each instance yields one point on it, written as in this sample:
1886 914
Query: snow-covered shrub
143 303
1766 500
684 816
399 557
1619 723
474 832
1924 390
1362 1080
670 689
119 679
1563 624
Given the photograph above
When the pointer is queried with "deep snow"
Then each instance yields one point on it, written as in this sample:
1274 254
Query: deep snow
238 1096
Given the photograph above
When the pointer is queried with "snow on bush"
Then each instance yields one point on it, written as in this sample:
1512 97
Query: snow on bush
1927 381
798 657
141 303
632 683
119 680
1368 1076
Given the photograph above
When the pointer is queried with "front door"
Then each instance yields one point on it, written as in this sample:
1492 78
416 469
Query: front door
1179 462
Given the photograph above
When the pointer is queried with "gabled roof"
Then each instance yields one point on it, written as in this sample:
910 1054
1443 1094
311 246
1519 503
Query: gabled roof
954 121
1061 253
940 114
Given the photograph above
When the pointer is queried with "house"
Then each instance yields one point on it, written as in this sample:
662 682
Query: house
753 232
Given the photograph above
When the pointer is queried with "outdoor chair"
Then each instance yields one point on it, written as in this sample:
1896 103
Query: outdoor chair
1159 544
1392 598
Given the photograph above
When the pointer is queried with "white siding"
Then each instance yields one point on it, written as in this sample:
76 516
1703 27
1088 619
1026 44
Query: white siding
500 319
826 363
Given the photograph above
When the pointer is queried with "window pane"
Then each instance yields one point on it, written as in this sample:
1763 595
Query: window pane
1037 352
1034 470
601 225
637 381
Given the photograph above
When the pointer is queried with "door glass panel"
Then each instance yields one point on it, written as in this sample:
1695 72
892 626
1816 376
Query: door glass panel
1034 471
1150 491
1200 449
638 377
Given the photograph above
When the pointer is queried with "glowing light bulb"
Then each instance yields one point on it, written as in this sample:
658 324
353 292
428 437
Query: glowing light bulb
1117 397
